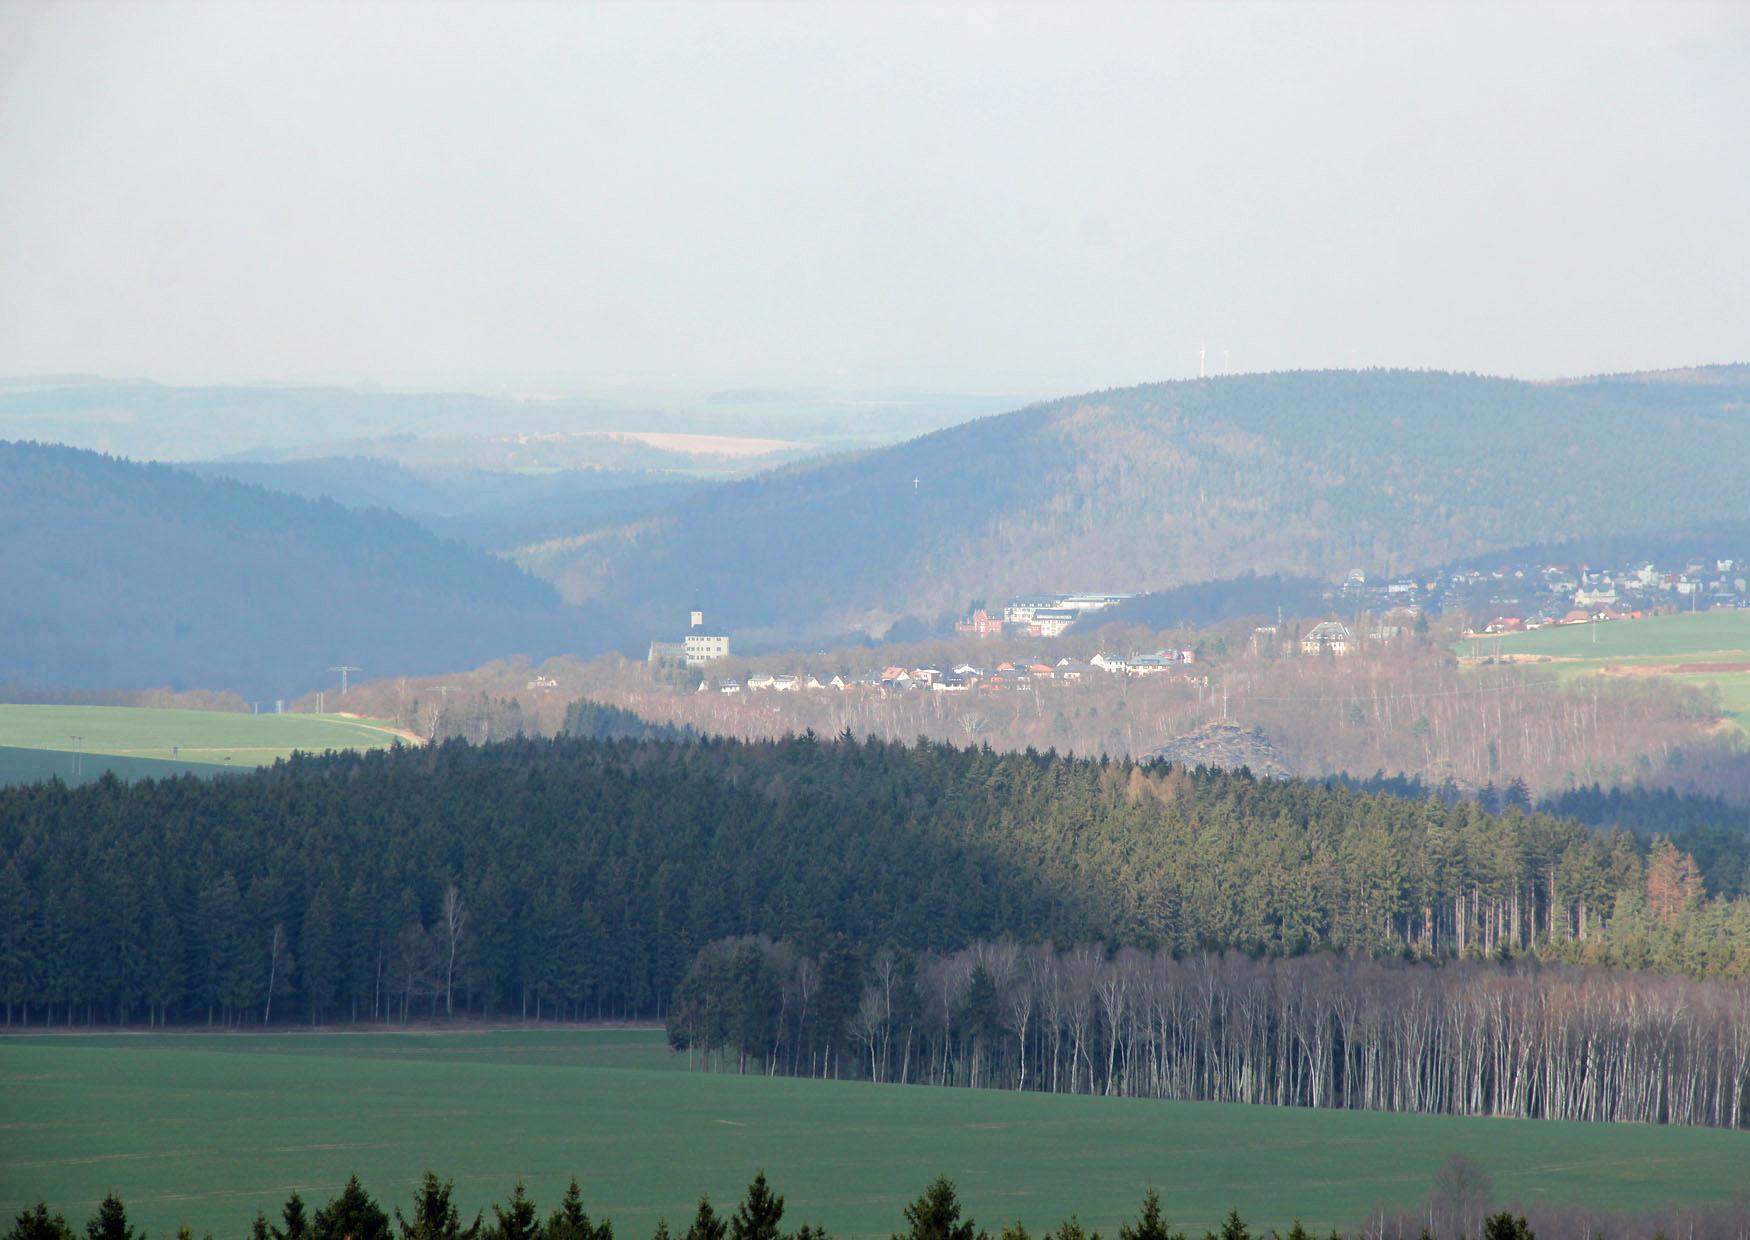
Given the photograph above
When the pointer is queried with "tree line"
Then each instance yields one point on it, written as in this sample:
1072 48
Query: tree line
937 1214
1465 1038
577 878
1461 1203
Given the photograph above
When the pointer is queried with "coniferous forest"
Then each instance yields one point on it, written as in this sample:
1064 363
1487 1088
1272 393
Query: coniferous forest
1460 1204
1428 956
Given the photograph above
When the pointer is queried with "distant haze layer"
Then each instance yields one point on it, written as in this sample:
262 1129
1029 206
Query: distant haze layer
966 196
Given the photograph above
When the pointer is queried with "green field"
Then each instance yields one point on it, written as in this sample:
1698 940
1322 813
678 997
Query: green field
206 1129
126 738
30 766
1708 642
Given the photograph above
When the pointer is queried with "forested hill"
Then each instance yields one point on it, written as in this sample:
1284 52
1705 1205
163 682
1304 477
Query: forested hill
579 877
1308 474
119 574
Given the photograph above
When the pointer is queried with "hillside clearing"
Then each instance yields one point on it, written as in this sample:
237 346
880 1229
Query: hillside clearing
181 739
1707 650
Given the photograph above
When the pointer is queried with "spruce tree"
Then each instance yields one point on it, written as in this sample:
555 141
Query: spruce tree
569 1222
1504 1226
706 1224
758 1215
434 1213
297 1226
37 1223
519 1222
936 1215
110 1222
1071 1229
353 1215
1150 1225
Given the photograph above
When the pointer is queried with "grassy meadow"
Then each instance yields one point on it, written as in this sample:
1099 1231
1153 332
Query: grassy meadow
133 740
1705 649
206 1129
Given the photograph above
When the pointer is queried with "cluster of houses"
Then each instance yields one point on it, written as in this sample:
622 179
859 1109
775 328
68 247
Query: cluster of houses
1536 596
962 678
1033 615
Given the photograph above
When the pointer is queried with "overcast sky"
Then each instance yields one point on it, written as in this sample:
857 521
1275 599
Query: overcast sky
979 198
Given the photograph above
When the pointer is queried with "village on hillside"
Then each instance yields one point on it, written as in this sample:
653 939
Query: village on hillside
1533 596
1504 599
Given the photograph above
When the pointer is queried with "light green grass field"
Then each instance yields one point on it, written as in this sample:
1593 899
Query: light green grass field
1657 645
190 738
1675 638
208 1129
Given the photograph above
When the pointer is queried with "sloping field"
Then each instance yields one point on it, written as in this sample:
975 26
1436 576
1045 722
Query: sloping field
31 766
1710 648
198 737
208 1129
1685 638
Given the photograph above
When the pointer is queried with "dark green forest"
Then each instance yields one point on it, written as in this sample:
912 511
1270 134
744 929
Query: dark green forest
1306 474
1708 828
1461 1204
603 721
144 575
577 878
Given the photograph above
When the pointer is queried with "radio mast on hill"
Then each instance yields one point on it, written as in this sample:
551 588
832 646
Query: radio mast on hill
344 669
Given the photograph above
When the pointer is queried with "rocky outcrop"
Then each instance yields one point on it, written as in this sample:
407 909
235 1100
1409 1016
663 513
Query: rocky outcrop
1225 745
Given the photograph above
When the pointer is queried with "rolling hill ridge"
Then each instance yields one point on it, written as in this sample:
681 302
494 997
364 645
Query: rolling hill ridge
124 575
1306 473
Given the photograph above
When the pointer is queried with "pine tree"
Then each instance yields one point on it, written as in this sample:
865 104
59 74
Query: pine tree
706 1224
37 1223
297 1226
1150 1225
519 1222
1072 1229
1673 880
17 963
321 955
110 1222
1504 1226
936 1215
353 1215
569 1222
759 1214
434 1213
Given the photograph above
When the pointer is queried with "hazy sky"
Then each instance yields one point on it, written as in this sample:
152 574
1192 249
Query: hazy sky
1028 199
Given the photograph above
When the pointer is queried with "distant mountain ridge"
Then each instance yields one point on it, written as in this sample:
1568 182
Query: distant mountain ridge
491 509
1301 473
122 575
